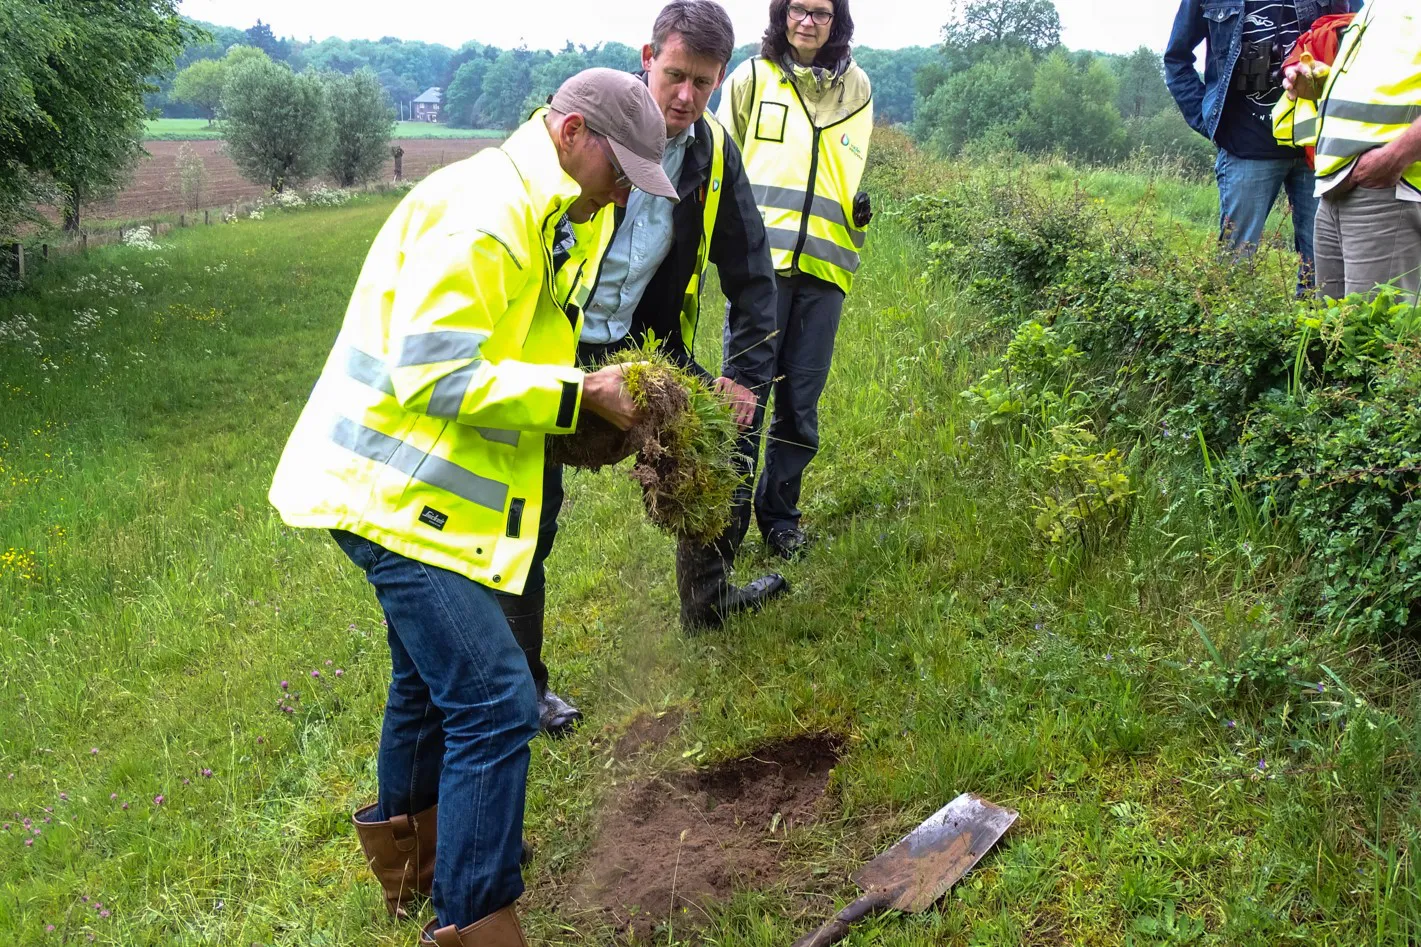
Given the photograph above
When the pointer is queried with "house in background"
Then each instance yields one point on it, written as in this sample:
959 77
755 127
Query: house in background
426 106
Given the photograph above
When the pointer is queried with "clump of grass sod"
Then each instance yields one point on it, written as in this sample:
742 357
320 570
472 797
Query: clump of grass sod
685 444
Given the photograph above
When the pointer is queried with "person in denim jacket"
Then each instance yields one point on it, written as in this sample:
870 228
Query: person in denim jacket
1232 104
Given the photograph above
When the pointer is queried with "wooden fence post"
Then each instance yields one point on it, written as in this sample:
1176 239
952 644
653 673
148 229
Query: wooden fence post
44 250
20 261
120 235
182 220
83 241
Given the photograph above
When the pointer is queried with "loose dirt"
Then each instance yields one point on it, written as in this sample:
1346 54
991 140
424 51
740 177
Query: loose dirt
647 732
154 188
669 847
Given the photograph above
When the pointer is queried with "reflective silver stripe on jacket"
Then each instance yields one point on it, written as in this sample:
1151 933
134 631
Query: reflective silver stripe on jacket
426 468
788 198
446 401
816 247
446 346
1373 114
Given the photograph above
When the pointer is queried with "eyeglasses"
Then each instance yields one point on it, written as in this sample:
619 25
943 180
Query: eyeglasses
799 14
622 180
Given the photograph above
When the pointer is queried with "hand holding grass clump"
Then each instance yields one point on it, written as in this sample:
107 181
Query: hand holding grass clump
684 442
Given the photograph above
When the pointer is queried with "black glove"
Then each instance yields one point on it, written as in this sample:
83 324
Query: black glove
863 209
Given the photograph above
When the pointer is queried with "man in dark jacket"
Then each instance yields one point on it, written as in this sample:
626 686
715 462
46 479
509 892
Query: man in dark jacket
1232 106
644 280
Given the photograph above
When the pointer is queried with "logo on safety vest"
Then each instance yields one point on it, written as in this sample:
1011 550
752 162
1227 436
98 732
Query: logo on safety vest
715 185
844 141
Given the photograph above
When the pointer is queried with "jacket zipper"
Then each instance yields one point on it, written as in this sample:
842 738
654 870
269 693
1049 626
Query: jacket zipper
808 201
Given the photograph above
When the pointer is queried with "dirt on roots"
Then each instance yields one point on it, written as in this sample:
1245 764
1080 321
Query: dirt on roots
669 847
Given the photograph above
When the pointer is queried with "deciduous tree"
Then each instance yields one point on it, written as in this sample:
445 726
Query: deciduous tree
278 124
363 124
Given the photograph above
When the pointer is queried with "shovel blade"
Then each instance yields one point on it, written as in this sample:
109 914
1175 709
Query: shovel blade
920 868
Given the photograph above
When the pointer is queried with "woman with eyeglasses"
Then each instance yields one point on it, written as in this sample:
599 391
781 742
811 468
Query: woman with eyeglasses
802 113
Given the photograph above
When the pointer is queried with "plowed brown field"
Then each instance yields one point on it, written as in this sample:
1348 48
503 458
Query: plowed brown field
155 189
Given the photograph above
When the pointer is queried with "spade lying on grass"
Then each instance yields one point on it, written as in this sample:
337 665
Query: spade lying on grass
685 445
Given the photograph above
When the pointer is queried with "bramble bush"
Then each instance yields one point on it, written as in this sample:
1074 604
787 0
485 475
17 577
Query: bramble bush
1123 332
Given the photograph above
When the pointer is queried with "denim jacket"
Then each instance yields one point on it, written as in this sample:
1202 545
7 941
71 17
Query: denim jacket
1221 23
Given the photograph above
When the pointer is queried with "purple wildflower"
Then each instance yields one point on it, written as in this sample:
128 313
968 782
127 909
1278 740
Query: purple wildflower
125 807
64 797
158 799
104 914
285 685
93 751
315 673
1262 765
29 843
207 774
329 662
113 796
340 673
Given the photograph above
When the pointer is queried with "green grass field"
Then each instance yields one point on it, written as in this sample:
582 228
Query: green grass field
198 129
154 604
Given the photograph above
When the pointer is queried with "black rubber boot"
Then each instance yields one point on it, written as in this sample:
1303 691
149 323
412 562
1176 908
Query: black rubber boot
556 717
708 598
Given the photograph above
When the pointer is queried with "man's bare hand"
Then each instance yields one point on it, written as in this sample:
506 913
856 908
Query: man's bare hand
1378 169
742 400
1300 82
605 393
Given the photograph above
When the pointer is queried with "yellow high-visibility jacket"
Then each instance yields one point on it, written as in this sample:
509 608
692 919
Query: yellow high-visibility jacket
1374 92
425 432
805 175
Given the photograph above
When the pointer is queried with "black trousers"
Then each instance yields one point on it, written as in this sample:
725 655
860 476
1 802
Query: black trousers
809 311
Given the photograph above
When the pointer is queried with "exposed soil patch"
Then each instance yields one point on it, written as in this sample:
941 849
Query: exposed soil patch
154 190
669 847
647 732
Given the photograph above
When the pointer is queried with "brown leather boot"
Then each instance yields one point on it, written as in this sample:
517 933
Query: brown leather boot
499 929
400 852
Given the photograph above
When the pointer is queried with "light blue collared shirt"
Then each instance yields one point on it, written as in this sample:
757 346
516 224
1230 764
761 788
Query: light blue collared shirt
638 249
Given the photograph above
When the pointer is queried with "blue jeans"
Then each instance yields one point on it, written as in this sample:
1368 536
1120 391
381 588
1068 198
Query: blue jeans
460 715
1248 188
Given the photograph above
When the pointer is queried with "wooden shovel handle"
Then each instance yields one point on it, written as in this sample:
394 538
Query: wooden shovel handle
838 928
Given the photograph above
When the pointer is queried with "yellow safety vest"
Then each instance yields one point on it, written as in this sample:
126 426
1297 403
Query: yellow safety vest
1374 92
1295 122
710 199
805 178
425 431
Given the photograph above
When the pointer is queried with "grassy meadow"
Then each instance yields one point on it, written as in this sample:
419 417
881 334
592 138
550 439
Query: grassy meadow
159 621
199 129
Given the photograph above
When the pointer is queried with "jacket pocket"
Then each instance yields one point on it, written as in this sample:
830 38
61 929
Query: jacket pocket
770 123
1224 18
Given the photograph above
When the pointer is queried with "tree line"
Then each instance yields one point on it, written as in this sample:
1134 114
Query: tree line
79 77
1003 81
999 78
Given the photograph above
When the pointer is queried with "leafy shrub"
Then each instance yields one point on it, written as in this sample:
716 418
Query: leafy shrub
1156 348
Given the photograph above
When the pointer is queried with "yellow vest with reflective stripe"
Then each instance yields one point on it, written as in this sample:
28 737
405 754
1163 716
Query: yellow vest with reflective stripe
714 189
1295 122
805 178
1374 92
425 431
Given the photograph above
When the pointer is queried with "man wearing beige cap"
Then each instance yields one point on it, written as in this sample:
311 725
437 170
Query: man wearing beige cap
421 451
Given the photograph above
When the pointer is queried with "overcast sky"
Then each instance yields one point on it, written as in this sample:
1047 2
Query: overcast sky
1106 25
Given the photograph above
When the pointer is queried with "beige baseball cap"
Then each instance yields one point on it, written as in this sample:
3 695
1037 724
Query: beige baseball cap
619 107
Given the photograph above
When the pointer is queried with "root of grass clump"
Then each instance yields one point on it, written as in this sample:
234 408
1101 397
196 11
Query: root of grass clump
685 445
